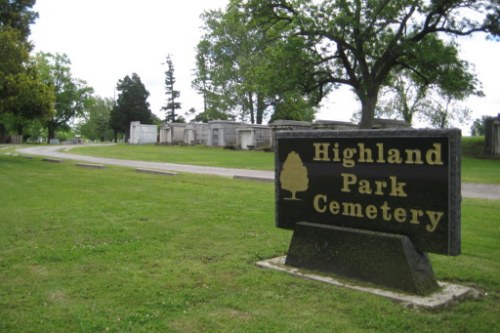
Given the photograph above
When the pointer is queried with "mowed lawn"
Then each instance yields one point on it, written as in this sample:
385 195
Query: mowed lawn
476 170
196 155
111 250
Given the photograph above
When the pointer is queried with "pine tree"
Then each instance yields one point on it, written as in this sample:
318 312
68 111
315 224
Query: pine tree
171 93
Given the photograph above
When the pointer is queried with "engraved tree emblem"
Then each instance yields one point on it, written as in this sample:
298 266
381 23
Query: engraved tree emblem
293 176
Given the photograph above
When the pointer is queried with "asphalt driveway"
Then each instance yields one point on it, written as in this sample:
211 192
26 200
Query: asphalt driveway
469 190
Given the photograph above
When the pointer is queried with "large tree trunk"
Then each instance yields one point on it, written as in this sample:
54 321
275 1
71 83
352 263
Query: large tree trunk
51 132
407 115
443 120
368 104
3 132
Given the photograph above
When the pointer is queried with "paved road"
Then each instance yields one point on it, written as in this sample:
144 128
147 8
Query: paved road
469 190
60 152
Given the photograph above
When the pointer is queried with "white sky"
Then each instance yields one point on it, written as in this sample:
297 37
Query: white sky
109 39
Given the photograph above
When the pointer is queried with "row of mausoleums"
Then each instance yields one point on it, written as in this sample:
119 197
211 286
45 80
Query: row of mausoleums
218 134
492 135
221 133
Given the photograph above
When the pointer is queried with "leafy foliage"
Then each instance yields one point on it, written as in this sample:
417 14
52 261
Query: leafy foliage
18 15
478 126
72 95
418 93
250 70
365 44
25 97
95 124
444 111
132 105
23 94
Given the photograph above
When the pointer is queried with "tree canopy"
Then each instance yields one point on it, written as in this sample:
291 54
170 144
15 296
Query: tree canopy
15 19
72 95
478 127
132 105
23 94
18 15
241 66
365 44
95 120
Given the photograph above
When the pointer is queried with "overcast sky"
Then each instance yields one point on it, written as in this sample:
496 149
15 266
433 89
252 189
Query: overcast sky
109 39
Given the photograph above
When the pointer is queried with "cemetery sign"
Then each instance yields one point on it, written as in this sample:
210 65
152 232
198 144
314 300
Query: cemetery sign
404 182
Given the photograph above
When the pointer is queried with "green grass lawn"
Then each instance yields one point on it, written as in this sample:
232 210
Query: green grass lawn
473 169
196 155
112 250
480 170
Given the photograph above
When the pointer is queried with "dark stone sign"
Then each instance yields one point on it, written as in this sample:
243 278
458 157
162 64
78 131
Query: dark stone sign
399 182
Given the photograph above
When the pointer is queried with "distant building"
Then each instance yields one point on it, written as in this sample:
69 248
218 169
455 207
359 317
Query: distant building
288 125
196 134
223 133
172 133
492 135
333 125
142 134
254 137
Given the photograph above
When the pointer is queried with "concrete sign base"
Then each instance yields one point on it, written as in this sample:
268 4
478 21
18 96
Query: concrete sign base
448 295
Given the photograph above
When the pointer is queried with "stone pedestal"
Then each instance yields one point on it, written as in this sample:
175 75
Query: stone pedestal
383 259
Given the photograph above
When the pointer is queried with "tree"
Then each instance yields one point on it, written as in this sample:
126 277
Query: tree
365 43
293 175
132 105
18 15
243 67
227 41
172 94
444 111
478 126
292 106
95 124
202 78
286 77
23 95
411 93
403 99
72 95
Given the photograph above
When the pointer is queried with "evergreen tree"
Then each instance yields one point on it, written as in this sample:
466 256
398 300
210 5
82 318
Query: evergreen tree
171 93
131 105
18 15
23 95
